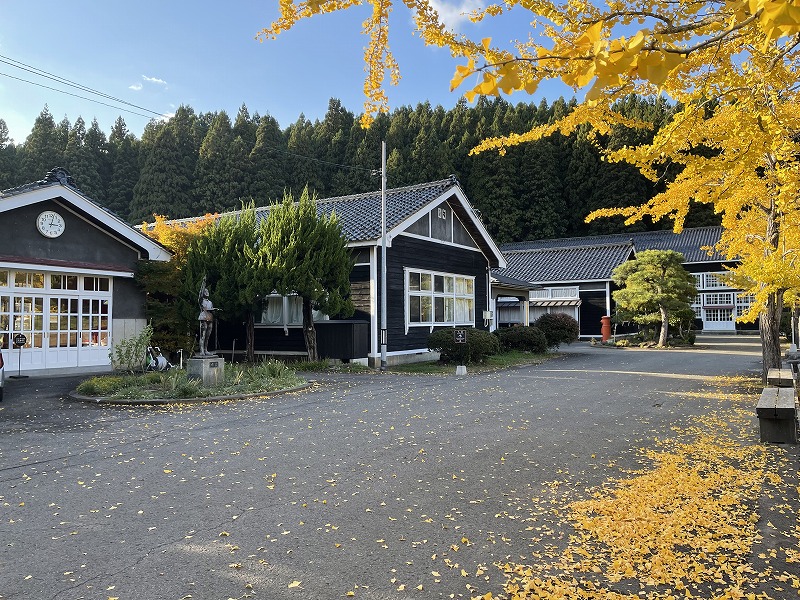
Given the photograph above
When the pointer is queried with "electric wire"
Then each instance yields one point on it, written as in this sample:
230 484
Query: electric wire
58 79
47 87
64 81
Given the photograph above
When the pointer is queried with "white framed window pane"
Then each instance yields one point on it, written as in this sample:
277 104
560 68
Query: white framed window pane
449 310
425 283
413 282
438 284
449 284
413 309
438 310
426 309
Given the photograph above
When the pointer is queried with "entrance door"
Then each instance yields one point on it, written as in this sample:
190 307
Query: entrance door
28 319
64 318
95 331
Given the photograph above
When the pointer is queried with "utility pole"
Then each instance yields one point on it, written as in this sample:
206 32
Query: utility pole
384 332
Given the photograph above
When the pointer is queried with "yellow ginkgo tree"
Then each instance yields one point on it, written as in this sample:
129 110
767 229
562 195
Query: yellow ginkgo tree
730 65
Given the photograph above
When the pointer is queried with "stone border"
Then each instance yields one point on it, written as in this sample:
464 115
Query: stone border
76 397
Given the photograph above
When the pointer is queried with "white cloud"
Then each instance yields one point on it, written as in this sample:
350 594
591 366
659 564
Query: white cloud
454 15
155 80
135 87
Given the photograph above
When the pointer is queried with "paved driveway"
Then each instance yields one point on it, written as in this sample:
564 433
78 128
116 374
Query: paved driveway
370 484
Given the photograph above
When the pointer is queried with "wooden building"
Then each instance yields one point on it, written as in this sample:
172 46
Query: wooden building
574 275
66 278
439 257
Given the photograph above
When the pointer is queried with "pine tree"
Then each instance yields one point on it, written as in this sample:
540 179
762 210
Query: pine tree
655 285
309 257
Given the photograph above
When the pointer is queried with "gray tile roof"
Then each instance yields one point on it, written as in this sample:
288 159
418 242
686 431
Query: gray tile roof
360 214
690 242
565 264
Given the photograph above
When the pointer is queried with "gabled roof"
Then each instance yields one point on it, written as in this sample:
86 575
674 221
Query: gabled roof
565 264
690 242
360 214
59 186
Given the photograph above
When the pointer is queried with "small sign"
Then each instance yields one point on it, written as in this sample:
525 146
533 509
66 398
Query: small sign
460 336
20 339
214 364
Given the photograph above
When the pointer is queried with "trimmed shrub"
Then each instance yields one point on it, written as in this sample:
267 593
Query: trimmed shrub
479 345
527 339
558 329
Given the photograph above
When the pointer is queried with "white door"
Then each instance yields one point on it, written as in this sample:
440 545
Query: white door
63 334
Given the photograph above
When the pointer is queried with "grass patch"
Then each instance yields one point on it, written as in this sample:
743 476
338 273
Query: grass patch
323 366
269 376
512 358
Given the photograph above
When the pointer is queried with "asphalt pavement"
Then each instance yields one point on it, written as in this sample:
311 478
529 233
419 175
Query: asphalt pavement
377 486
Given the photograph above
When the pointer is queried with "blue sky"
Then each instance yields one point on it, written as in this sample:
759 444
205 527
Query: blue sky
160 55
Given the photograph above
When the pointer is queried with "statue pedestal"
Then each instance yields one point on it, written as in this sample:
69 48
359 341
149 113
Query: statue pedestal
210 370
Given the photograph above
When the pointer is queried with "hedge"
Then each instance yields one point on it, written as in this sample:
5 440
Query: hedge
478 346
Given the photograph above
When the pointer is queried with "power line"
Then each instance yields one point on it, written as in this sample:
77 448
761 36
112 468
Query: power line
47 87
64 81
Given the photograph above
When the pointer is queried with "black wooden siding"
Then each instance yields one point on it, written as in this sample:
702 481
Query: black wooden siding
414 253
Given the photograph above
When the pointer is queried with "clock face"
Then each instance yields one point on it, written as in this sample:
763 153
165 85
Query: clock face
50 224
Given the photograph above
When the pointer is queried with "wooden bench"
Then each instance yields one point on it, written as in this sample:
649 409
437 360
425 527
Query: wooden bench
777 415
780 377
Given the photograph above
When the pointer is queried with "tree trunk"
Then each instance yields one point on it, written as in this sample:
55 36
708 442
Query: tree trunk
662 339
769 325
769 321
251 338
309 333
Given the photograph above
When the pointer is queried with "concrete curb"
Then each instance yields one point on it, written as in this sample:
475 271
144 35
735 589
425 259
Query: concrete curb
76 397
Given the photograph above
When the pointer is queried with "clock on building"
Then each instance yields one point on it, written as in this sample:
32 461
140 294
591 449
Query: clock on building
50 224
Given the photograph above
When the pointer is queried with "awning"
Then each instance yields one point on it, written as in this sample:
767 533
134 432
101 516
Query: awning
574 302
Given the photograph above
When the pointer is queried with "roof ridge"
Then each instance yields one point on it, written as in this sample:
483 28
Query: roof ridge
416 186
564 248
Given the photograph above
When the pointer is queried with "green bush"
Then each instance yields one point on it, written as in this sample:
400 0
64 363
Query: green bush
527 339
130 354
558 329
478 346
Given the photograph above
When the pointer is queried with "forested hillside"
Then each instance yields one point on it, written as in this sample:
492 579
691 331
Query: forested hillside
208 162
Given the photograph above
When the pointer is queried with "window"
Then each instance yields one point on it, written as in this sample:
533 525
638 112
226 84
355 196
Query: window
284 311
718 299
63 282
713 280
440 298
23 279
718 315
96 284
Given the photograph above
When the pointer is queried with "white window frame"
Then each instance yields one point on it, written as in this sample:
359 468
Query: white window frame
459 283
291 312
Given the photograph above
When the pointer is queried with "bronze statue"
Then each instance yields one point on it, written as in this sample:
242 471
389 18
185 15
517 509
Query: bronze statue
206 318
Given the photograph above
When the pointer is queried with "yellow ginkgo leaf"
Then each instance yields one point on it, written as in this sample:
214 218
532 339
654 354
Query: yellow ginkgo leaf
294 584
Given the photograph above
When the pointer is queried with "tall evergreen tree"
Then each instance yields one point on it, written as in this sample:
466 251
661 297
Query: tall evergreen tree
8 158
83 164
43 149
212 192
165 184
269 175
124 167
